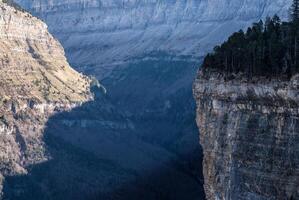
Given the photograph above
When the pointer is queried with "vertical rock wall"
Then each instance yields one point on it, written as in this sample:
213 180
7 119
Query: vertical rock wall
250 138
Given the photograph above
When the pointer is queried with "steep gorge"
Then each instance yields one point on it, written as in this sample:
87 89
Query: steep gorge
89 150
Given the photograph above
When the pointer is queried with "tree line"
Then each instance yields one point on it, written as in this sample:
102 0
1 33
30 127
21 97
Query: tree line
269 49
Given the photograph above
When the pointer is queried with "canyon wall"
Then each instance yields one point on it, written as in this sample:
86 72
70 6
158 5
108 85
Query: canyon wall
250 139
35 82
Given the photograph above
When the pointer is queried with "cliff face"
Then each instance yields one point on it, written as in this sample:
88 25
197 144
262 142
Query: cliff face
249 134
120 30
35 82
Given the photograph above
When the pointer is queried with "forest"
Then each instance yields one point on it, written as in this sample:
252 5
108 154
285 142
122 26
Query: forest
268 48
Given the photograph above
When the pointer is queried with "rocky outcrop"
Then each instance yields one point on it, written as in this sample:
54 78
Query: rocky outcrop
117 31
249 134
35 82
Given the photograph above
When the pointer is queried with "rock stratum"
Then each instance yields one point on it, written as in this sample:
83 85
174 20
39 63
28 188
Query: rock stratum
36 81
250 139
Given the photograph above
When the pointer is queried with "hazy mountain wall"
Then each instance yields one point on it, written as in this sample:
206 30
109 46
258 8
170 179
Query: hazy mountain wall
99 34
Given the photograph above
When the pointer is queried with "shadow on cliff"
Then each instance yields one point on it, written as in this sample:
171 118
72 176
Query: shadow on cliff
96 154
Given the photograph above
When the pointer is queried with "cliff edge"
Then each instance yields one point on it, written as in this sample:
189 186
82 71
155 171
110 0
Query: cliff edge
249 132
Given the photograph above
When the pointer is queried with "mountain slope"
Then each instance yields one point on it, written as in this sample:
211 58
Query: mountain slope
33 63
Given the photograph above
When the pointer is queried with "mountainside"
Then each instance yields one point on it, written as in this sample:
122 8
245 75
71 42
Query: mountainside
249 135
101 34
35 82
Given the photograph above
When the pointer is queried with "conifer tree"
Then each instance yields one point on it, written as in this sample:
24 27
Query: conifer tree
295 22
295 12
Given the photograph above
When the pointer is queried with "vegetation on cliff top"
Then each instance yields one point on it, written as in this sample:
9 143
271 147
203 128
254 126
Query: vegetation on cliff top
268 49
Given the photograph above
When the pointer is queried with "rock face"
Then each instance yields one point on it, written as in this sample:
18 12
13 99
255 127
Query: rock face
101 34
35 82
249 134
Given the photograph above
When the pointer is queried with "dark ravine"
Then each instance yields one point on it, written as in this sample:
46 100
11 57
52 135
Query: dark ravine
99 155
249 134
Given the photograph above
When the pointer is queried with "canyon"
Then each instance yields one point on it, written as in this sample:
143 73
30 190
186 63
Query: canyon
61 140
138 139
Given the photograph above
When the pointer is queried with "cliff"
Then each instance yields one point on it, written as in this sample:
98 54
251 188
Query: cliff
249 135
120 31
35 82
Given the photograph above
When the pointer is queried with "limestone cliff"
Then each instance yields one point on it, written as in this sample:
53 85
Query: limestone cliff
250 137
35 81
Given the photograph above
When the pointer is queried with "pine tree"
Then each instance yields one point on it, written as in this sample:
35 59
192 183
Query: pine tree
269 49
295 22
295 12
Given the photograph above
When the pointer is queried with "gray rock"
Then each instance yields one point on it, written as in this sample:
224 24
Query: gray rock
250 138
